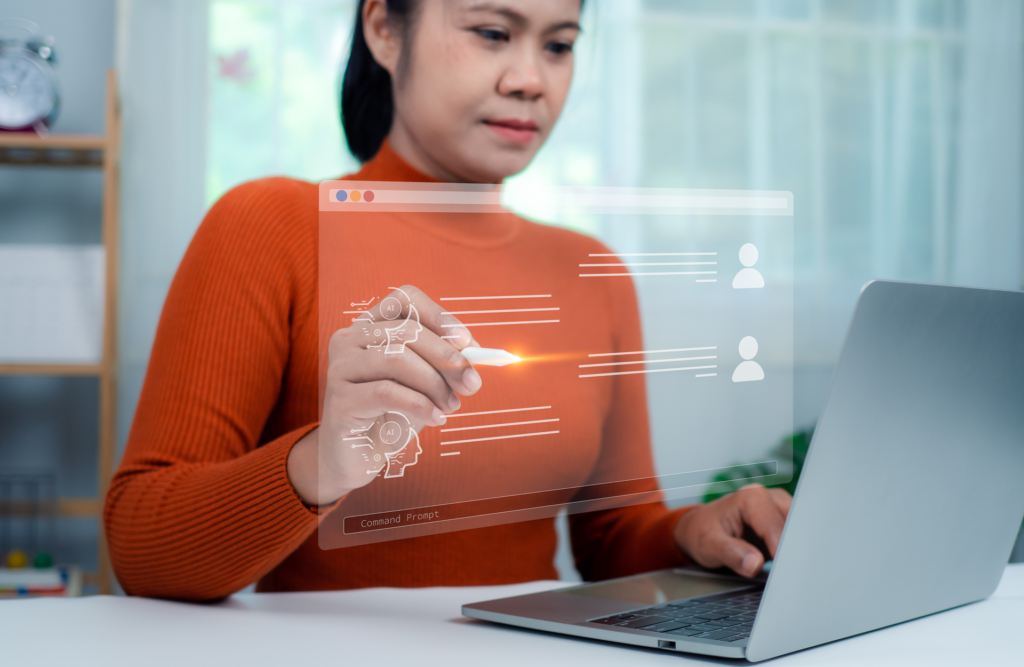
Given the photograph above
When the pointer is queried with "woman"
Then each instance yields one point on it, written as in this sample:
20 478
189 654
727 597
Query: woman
219 483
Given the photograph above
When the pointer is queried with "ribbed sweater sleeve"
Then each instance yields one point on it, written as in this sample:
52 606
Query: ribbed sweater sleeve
638 537
201 505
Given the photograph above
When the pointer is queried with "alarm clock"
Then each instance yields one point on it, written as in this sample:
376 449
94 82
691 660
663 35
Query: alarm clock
29 95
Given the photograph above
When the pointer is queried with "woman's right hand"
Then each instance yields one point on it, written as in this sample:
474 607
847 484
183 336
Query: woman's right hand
406 360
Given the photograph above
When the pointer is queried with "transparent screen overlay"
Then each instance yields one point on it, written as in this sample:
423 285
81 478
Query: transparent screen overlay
638 347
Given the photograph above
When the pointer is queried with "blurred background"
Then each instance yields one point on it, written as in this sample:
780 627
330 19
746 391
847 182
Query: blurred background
897 124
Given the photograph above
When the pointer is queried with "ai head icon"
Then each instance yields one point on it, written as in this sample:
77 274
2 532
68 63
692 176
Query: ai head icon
408 331
398 429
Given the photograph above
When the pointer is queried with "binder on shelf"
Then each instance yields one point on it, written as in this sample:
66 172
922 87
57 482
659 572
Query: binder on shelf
49 582
51 304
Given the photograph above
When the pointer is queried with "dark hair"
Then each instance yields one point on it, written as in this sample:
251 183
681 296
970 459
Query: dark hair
367 105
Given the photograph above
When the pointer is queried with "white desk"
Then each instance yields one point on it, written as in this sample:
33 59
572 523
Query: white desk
423 627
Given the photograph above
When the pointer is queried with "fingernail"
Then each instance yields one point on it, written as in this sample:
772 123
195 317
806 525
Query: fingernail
471 380
454 403
439 417
464 337
748 565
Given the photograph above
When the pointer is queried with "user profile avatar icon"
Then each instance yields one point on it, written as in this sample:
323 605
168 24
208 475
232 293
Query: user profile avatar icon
749 370
749 277
398 429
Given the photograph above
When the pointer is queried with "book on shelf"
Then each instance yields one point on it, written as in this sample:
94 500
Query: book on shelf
51 304
32 582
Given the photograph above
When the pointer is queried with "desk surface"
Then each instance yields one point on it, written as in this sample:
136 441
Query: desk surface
423 627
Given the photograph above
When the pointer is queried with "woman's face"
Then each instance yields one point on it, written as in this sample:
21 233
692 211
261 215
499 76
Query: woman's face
482 85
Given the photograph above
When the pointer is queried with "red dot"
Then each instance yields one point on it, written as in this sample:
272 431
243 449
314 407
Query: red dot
368 196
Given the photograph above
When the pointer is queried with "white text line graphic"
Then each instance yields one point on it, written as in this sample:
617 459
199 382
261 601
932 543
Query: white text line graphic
657 370
652 264
497 324
679 349
659 273
451 453
484 298
498 412
707 281
488 312
645 361
473 428
656 254
706 375
499 437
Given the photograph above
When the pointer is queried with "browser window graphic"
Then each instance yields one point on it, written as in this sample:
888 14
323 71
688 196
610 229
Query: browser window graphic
638 347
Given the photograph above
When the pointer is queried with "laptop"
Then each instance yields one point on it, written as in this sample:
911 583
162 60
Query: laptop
909 502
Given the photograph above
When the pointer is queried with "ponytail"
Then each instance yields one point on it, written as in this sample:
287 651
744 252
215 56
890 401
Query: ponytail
367 105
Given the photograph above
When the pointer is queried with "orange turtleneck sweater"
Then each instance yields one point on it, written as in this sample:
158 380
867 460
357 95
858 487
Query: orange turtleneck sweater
201 505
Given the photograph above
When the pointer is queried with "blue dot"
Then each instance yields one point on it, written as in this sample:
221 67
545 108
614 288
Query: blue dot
341 195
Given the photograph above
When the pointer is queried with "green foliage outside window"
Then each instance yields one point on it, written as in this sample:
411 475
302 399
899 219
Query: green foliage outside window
794 446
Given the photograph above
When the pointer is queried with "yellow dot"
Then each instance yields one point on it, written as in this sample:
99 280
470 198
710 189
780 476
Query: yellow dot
354 195
16 559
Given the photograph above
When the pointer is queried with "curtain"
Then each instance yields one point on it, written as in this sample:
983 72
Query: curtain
162 68
988 236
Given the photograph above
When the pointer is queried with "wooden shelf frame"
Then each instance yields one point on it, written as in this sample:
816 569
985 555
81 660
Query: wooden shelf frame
109 364
53 150
84 150
63 508
65 142
52 370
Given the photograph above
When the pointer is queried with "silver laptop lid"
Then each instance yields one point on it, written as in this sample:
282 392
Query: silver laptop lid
913 488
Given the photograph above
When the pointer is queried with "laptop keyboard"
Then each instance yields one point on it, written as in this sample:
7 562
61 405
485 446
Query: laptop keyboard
725 618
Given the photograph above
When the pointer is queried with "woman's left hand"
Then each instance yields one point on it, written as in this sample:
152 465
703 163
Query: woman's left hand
713 535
